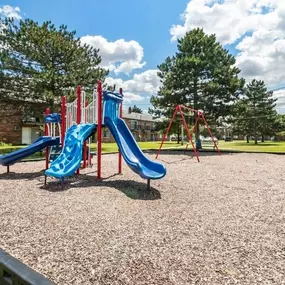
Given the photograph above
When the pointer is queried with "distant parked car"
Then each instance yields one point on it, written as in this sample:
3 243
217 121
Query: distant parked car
228 139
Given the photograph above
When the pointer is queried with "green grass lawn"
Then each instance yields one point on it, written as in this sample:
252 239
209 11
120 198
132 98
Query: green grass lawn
267 146
113 147
106 147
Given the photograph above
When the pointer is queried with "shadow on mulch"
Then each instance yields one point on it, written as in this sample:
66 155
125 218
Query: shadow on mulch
19 176
132 189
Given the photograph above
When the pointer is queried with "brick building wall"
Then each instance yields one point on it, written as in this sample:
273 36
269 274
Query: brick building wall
12 121
10 124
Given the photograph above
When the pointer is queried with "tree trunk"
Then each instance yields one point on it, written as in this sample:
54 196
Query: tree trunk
182 133
247 138
178 133
254 120
195 102
262 138
255 134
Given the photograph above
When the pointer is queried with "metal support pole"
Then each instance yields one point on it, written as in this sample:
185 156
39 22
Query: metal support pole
99 129
63 119
194 128
47 112
8 169
167 131
209 130
148 185
182 134
85 155
188 133
120 155
78 114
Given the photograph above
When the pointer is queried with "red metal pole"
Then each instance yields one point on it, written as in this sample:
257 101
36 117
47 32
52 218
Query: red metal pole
85 144
46 133
194 128
189 134
167 131
78 113
99 129
195 125
209 130
121 115
63 119
188 108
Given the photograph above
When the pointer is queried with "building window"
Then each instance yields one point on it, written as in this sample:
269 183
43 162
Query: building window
134 125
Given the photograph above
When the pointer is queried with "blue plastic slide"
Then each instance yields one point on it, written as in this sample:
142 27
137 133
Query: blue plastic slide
131 152
128 146
36 146
70 158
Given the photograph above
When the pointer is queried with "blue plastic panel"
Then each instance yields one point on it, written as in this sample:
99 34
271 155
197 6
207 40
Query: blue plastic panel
53 118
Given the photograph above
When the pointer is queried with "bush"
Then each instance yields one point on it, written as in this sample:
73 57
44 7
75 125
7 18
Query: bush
4 144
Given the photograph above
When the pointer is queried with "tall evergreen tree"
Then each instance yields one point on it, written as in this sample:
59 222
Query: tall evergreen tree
40 63
201 75
255 111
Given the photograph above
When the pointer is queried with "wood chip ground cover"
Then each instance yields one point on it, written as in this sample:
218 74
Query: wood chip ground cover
220 221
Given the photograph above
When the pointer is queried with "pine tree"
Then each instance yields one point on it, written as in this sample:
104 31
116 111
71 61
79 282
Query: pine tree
136 109
41 63
201 75
255 111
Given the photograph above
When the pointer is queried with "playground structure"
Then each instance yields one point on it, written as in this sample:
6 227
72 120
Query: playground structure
66 137
200 115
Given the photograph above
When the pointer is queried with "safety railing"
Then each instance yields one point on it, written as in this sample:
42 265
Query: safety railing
14 272
71 113
91 115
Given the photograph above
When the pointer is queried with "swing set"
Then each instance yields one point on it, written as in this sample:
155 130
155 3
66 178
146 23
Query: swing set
200 115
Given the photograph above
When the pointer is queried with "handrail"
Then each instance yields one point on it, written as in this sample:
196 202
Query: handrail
13 272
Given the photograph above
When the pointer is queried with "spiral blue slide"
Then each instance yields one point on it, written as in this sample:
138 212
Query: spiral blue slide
70 158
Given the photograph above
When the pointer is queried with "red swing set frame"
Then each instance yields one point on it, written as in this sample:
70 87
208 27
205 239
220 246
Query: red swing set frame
179 109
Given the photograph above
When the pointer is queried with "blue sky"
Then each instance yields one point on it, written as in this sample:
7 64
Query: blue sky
134 36
147 22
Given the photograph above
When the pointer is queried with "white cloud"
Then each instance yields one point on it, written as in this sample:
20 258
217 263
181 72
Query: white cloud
118 56
130 97
145 82
141 87
229 20
256 27
10 12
